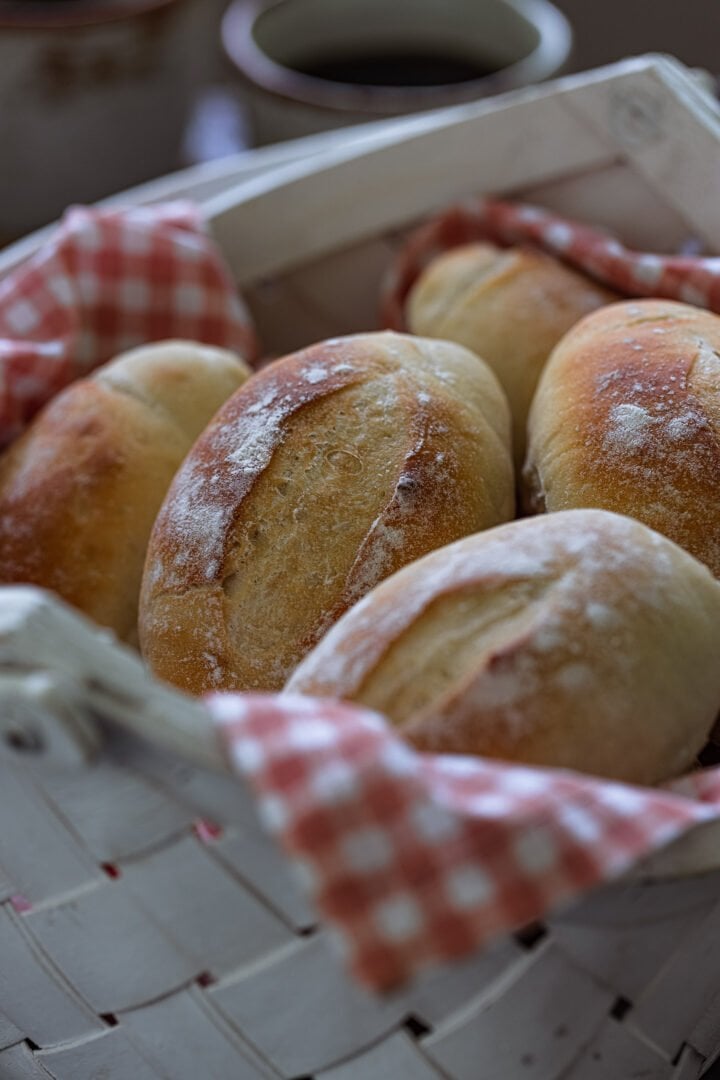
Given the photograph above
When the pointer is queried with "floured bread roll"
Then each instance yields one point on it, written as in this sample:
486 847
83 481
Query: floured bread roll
325 473
511 307
79 490
580 639
627 417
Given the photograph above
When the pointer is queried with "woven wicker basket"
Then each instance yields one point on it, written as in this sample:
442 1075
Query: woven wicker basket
148 927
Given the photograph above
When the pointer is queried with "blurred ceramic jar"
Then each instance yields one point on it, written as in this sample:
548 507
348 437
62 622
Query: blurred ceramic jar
94 97
312 65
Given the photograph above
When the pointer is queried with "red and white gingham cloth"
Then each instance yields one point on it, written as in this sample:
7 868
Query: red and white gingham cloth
420 858
689 278
107 281
412 858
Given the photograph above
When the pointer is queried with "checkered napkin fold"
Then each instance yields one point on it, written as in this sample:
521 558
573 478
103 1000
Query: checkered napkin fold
412 858
106 282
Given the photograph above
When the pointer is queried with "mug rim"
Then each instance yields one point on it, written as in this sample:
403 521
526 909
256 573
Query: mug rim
545 59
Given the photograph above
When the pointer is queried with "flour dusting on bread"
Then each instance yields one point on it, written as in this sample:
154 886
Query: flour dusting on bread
550 640
330 470
627 418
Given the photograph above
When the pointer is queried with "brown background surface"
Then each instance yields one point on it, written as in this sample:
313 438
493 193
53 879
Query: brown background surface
608 30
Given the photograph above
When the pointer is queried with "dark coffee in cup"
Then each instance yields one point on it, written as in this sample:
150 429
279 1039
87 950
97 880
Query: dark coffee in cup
311 65
396 68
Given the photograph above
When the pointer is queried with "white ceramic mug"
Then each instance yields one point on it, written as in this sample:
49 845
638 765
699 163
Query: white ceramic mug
279 45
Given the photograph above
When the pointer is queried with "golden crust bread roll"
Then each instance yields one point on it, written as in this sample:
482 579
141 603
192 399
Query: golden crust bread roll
326 472
510 306
580 640
627 418
79 490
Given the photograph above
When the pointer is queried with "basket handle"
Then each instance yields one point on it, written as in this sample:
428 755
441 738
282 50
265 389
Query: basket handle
61 679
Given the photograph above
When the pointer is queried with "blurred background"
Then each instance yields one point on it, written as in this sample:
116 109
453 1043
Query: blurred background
99 95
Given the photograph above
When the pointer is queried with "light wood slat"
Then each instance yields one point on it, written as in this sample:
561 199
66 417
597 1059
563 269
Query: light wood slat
222 799
212 178
669 134
337 294
19 1063
111 1056
299 212
629 952
116 813
326 1017
208 914
190 1041
676 1000
692 854
7 887
436 997
244 846
208 181
616 1054
616 198
39 856
9 1033
343 286
396 1058
110 950
34 996
259 863
511 143
532 1027
626 961
624 903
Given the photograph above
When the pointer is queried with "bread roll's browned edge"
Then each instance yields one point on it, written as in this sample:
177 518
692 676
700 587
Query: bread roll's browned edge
580 639
627 418
511 306
289 508
79 490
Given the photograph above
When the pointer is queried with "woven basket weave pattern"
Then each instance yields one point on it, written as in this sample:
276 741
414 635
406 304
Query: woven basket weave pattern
149 928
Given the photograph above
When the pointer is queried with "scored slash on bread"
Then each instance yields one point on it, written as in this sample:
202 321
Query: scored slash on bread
579 639
326 472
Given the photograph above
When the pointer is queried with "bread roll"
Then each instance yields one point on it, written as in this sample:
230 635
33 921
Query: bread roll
326 472
511 307
579 639
627 417
79 491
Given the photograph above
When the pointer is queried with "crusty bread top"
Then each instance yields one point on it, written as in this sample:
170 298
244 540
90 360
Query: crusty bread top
183 381
553 640
627 417
79 490
324 473
510 306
